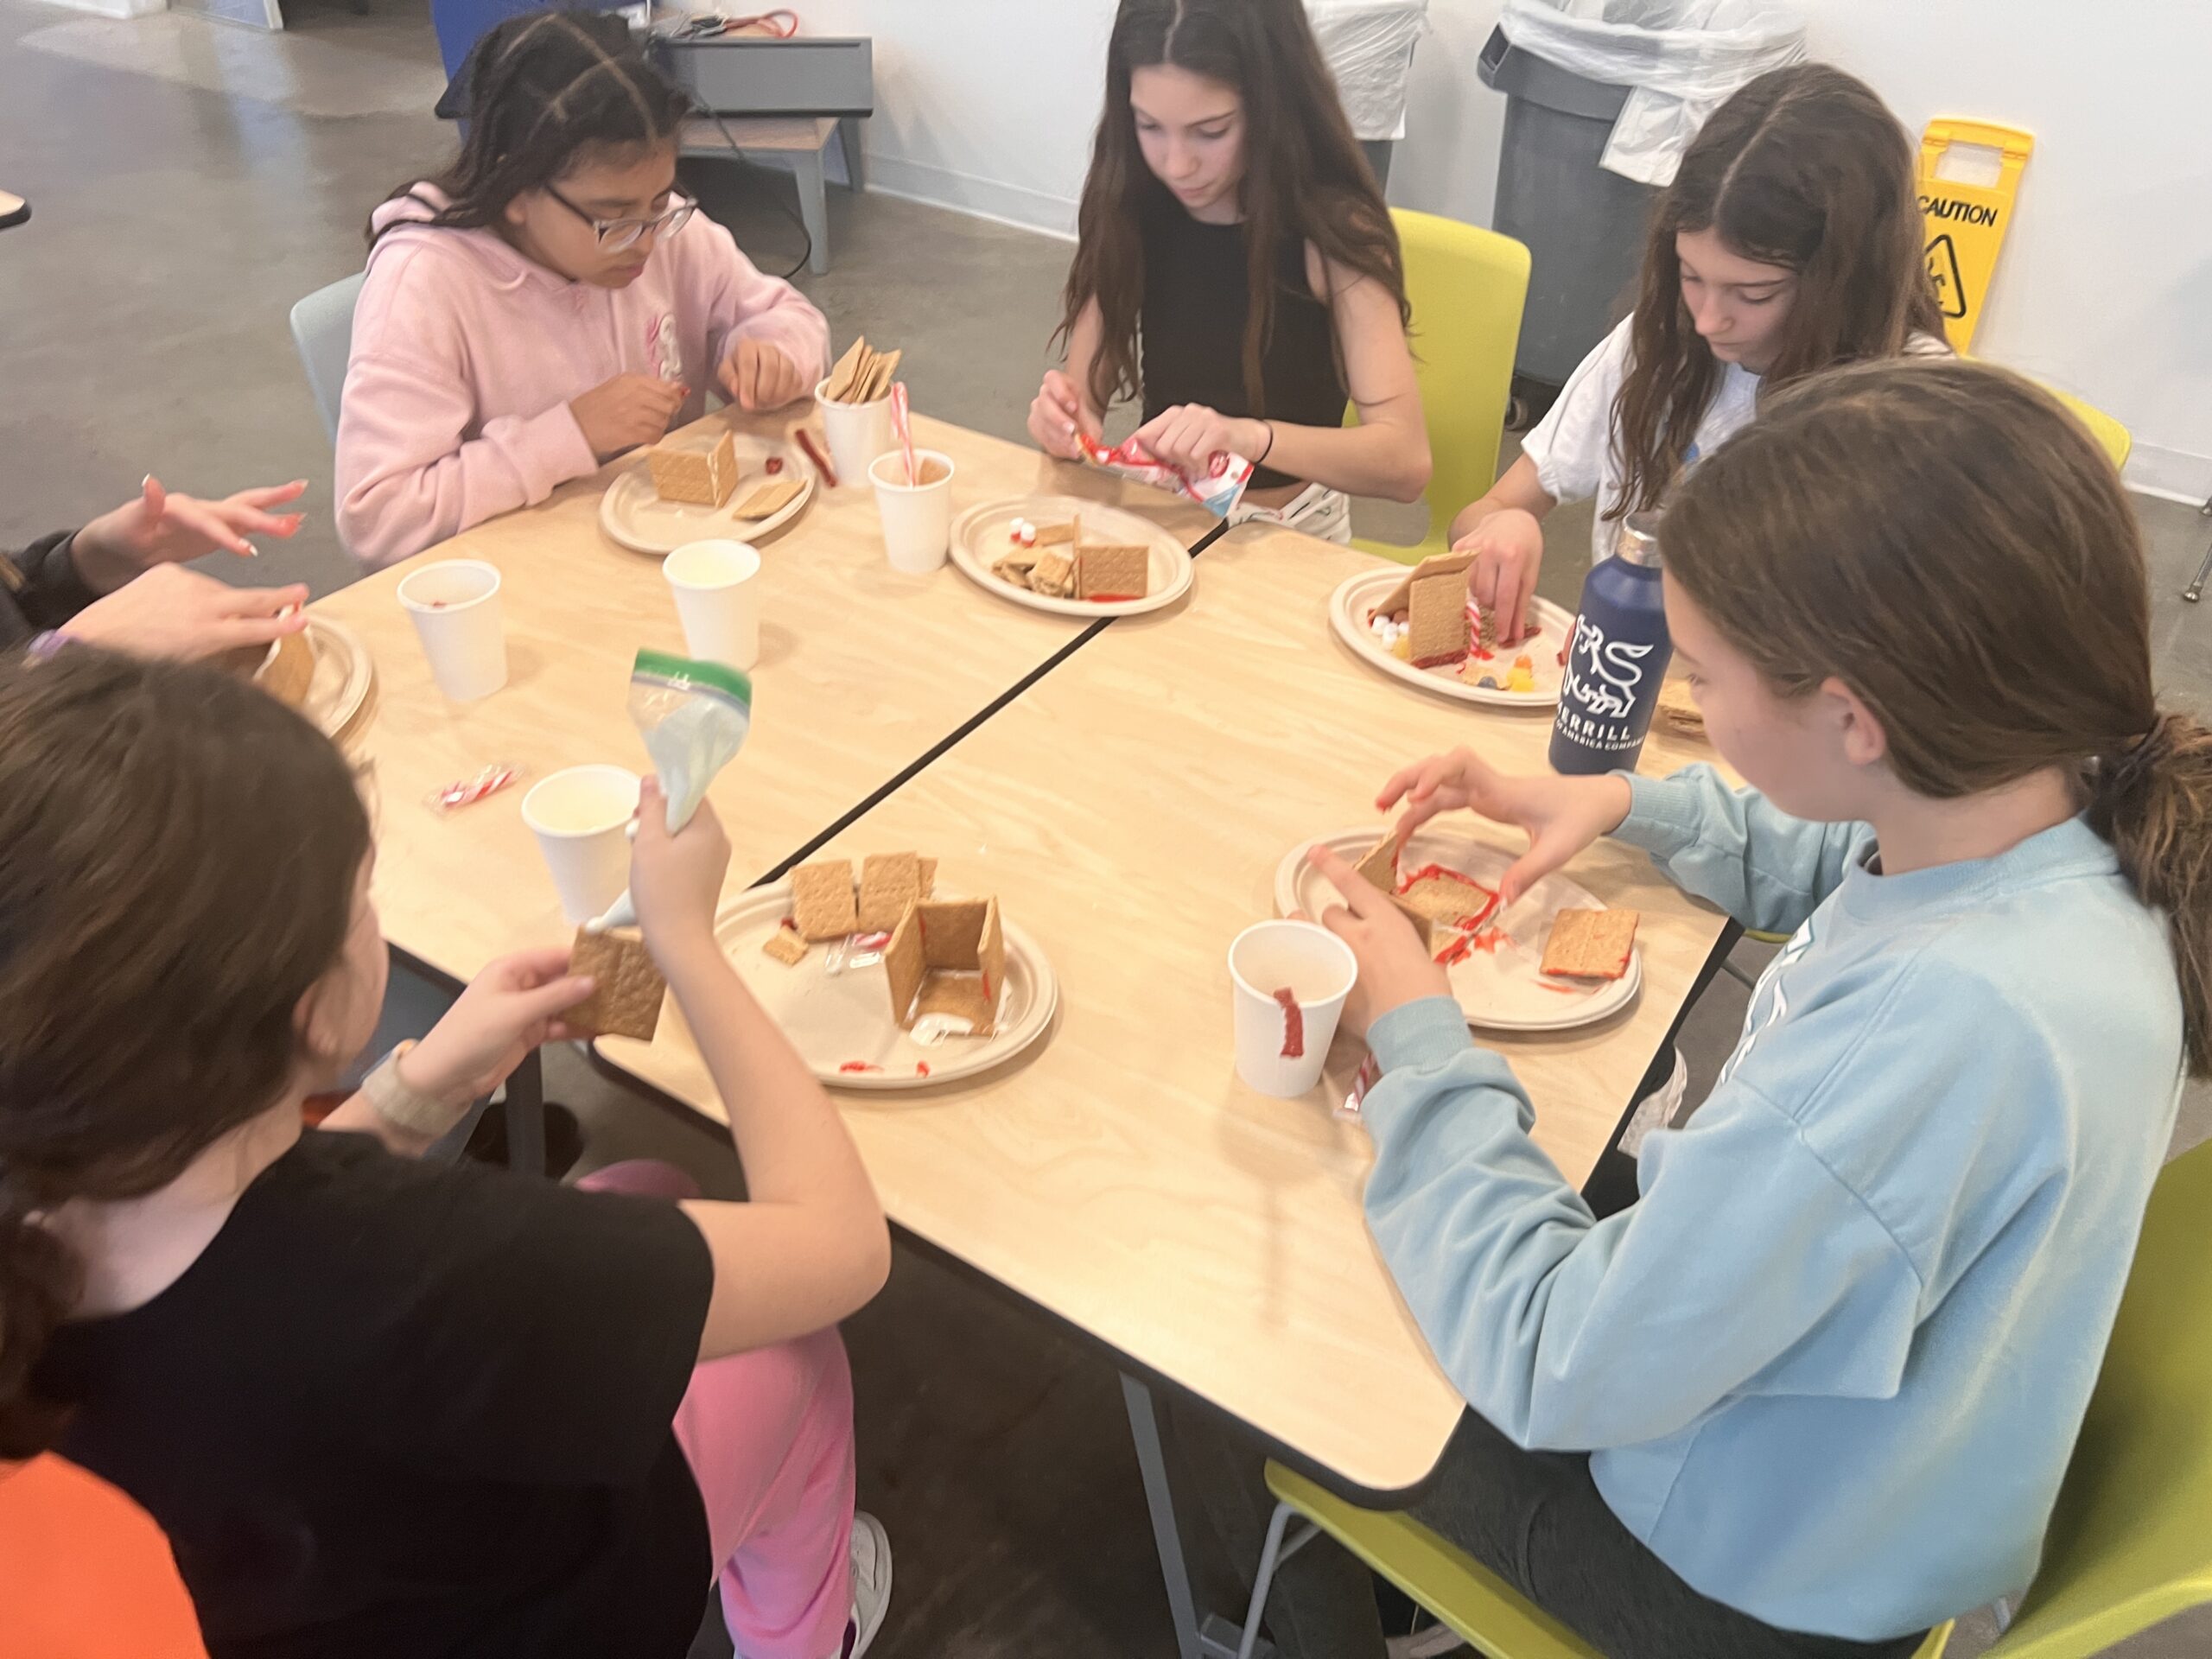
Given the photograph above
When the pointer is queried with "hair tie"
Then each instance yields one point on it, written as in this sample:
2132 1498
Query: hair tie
2121 772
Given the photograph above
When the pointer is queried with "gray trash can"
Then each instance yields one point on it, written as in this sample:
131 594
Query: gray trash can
1583 225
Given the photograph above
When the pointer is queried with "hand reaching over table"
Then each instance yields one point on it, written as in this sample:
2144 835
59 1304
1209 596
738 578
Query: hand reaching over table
1058 419
626 411
176 612
1190 436
1508 549
760 374
1394 966
1560 816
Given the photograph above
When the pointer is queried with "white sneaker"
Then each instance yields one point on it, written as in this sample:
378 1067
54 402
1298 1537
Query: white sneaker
871 1585
1426 1644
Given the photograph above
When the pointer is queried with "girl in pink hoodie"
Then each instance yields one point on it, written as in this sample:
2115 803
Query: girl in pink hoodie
549 301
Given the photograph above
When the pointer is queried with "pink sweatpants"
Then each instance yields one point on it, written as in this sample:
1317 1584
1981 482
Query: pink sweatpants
769 1437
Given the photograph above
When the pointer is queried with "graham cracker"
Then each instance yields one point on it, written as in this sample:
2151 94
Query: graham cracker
288 674
822 899
883 371
929 875
1436 620
1053 574
1442 899
890 882
1379 863
838 387
770 497
1400 598
1116 572
785 946
905 966
1679 710
952 931
1591 943
948 957
1056 535
701 477
625 1001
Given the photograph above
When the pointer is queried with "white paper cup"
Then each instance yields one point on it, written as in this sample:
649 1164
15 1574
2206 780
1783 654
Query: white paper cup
1318 969
582 819
858 432
717 588
455 607
916 518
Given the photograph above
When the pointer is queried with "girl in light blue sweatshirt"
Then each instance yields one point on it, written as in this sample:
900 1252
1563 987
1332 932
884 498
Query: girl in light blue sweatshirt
1817 1387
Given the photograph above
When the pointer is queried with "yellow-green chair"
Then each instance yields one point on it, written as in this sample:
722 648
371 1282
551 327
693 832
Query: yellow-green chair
2114 438
2130 1541
1467 286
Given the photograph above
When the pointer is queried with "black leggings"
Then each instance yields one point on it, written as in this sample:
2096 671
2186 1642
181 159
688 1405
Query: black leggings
1534 1518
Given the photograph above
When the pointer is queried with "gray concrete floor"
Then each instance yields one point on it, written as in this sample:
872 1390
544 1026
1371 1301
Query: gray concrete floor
188 183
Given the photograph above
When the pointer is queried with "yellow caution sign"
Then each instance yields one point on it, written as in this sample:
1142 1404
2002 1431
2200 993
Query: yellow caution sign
1967 220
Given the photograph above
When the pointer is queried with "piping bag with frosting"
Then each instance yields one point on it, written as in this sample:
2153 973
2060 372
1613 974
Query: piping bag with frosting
694 717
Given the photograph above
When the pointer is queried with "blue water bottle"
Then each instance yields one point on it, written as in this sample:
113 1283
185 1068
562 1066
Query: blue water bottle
1616 658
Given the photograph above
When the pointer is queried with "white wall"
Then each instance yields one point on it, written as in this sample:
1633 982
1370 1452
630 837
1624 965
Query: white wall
2106 283
987 105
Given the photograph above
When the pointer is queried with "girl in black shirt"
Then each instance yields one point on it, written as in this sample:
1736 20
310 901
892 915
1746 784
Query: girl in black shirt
381 1407
1236 268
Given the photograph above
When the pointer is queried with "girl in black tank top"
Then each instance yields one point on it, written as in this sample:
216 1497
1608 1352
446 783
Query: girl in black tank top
1236 268
1196 306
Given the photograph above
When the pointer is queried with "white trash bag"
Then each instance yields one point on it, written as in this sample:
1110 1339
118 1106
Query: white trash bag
1369 45
1682 59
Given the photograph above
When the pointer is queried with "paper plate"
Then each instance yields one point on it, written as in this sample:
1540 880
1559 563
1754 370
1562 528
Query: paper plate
982 536
844 1018
1354 603
343 673
632 513
1500 990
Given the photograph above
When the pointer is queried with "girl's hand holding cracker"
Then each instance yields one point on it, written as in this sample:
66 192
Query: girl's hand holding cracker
628 410
182 615
1056 418
513 1006
1508 549
759 374
1394 966
675 881
1561 815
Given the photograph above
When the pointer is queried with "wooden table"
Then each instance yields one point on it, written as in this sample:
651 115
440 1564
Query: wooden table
1130 810
862 672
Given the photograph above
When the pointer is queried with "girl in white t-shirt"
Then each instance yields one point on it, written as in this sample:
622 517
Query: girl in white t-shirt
1788 242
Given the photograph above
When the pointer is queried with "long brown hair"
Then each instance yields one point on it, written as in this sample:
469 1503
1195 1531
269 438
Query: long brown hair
1942 537
1802 167
1304 177
543 87
178 854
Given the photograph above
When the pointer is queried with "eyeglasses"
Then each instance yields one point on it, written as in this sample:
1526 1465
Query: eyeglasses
616 234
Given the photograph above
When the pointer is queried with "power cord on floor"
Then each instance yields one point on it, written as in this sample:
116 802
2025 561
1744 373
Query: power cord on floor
806 237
